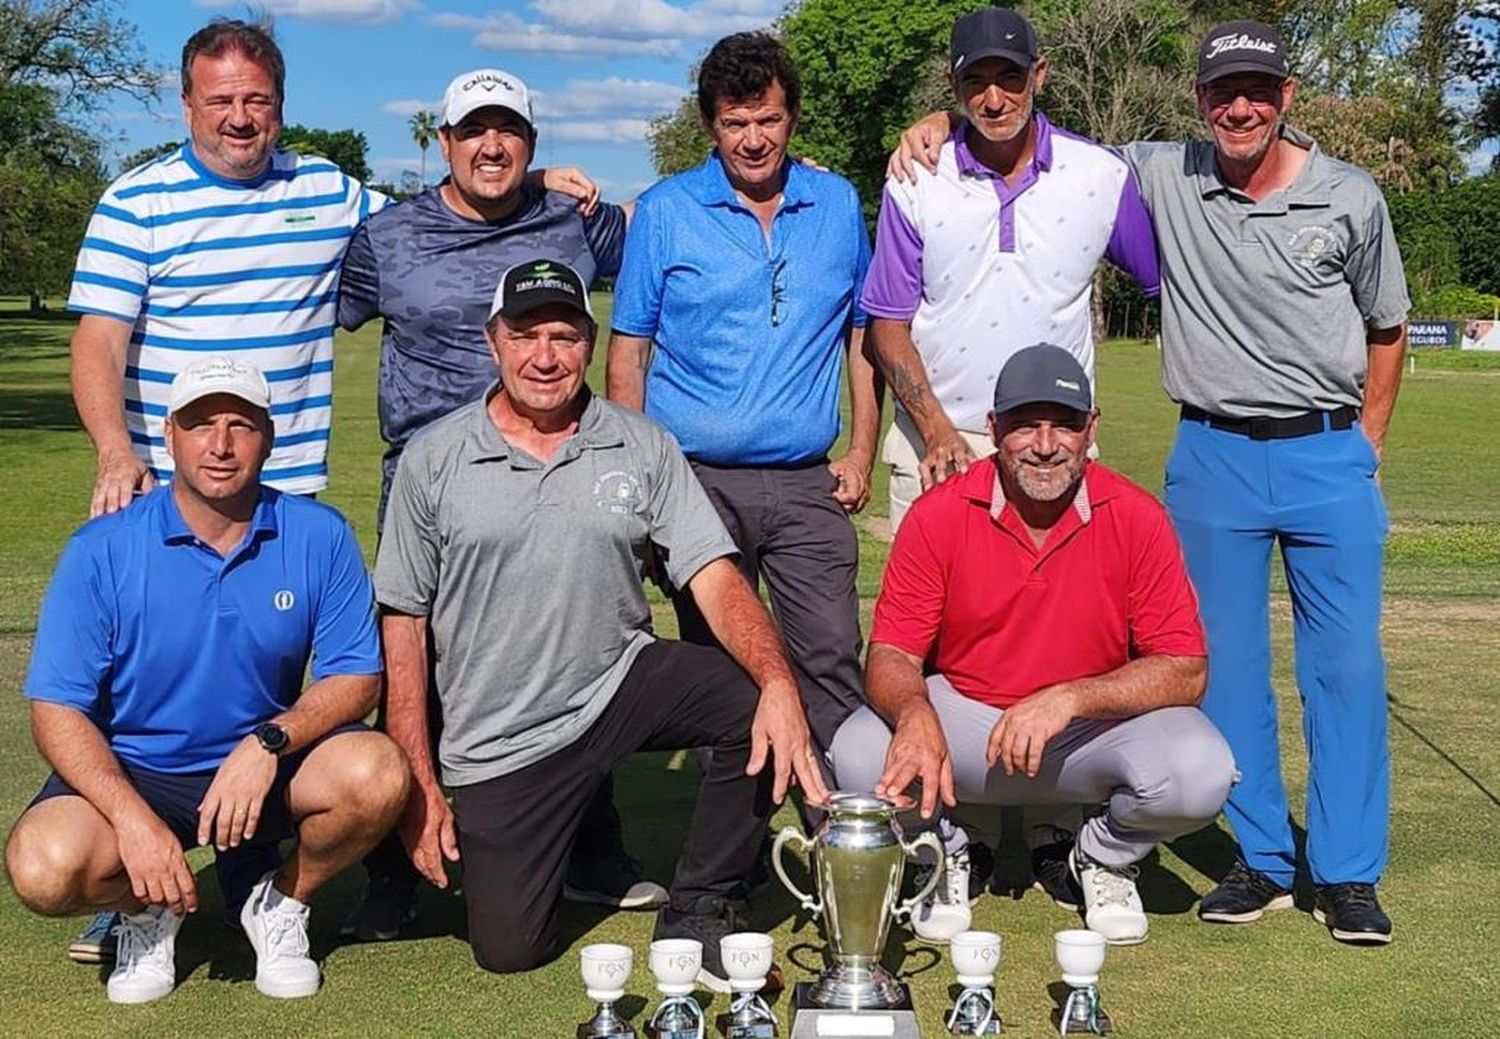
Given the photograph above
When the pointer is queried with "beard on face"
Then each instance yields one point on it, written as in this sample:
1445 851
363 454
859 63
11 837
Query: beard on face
1045 481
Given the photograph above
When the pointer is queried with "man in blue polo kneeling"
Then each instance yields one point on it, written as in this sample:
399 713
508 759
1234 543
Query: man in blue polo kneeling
166 693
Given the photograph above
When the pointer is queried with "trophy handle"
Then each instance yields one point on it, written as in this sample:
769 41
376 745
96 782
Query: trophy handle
793 835
930 840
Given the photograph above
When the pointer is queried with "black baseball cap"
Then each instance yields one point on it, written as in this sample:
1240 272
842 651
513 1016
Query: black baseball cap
1043 374
540 283
994 32
1241 46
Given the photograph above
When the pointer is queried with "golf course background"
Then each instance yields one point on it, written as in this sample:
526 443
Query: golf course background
1281 977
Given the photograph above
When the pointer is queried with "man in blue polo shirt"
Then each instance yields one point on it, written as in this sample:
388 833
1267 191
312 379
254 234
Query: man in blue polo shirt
166 693
745 275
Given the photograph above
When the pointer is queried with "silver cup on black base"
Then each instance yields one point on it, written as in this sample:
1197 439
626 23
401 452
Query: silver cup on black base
605 969
856 858
1080 954
976 958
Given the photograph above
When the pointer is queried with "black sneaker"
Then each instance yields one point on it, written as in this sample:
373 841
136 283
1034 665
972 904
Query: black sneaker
709 920
1052 876
388 905
1243 895
1352 914
613 879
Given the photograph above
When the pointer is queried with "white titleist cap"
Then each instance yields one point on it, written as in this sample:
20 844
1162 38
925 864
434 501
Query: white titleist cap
219 375
483 88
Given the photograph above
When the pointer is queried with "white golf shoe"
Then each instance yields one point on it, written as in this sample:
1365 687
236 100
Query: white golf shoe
145 956
1111 904
276 925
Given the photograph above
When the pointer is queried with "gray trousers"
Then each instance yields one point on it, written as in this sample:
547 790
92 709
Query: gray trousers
1160 775
789 530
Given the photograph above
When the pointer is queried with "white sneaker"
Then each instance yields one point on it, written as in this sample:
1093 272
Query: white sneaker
1111 904
945 912
276 925
145 956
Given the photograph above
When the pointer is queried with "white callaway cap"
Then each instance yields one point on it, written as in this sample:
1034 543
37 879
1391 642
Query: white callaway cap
219 375
483 88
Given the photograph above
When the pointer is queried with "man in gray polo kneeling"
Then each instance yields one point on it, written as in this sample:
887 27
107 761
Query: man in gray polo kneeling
515 535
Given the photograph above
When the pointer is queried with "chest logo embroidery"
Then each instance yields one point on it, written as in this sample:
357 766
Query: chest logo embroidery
618 491
284 600
1309 244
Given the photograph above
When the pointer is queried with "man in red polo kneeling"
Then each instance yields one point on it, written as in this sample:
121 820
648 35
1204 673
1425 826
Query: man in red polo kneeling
1037 641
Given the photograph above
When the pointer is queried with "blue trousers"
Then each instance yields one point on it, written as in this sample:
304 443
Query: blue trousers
1232 497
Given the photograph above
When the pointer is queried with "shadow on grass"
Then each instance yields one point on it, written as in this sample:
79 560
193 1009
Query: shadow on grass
42 410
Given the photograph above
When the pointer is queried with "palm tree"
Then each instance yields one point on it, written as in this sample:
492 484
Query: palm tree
423 129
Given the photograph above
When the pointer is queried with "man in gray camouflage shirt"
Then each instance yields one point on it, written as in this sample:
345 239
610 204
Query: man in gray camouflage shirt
429 268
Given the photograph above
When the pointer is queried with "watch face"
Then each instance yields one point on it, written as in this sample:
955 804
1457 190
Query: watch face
272 736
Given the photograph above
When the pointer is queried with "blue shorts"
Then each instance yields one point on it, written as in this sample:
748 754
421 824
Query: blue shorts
175 796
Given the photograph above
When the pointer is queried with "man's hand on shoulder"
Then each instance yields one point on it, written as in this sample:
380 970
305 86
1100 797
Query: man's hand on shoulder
921 144
918 753
121 474
949 454
852 470
427 832
1023 731
570 181
153 860
779 735
231 809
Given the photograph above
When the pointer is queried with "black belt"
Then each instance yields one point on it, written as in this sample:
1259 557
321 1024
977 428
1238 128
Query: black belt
1263 428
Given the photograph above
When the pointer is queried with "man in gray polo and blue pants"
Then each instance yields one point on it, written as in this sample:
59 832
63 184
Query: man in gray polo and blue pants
1283 330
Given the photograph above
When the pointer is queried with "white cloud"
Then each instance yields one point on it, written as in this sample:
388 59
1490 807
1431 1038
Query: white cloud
407 108
504 31
639 27
657 18
614 96
597 131
361 11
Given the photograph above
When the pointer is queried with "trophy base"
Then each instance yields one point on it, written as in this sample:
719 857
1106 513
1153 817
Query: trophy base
855 988
1102 1023
813 1020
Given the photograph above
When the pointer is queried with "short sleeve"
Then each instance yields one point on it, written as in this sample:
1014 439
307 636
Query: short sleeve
359 282
893 285
345 641
861 264
638 289
407 563
913 591
604 231
684 523
1374 270
1163 605
72 656
113 267
1132 239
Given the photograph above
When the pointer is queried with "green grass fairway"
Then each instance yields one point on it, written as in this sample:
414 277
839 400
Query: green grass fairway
1281 977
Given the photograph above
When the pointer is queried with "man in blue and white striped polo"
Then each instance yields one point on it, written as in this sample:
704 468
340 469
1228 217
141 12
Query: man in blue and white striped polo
225 246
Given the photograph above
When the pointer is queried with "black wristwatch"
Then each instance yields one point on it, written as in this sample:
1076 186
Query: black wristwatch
273 738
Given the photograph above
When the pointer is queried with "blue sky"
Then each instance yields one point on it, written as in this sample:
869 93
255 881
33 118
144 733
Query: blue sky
598 69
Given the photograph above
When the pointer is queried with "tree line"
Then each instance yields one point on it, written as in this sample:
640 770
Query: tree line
1404 88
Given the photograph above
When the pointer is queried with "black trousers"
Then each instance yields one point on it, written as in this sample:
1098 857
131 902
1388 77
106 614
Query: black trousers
788 527
515 832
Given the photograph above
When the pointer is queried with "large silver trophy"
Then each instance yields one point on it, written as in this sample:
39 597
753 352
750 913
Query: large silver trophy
856 859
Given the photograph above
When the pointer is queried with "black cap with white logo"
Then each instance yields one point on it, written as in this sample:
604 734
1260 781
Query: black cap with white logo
1043 374
994 32
1241 46
540 283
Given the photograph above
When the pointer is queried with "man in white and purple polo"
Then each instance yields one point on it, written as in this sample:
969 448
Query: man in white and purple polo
992 253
